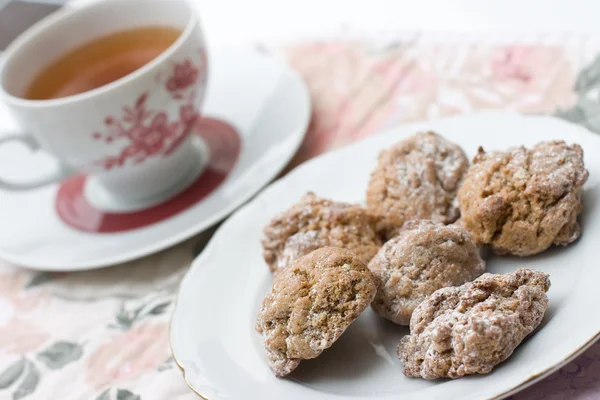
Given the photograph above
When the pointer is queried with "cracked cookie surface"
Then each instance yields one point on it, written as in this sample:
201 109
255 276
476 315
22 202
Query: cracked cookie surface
316 222
470 329
523 201
416 178
311 304
424 257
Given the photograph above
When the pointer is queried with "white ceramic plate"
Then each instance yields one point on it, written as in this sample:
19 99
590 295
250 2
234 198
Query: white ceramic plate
212 331
264 99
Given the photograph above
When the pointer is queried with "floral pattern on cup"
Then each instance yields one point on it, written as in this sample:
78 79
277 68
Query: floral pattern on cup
149 132
184 75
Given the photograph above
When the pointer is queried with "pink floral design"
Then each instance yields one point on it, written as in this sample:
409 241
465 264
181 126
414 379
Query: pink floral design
19 336
11 290
188 114
184 76
152 138
129 355
511 63
530 78
149 132
357 90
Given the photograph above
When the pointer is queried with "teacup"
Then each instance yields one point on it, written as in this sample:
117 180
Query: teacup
131 137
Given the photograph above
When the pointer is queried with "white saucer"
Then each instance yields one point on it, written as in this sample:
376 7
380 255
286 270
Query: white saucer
261 97
212 330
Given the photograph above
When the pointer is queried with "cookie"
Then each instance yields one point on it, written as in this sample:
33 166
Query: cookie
315 222
424 257
470 329
523 201
417 178
311 304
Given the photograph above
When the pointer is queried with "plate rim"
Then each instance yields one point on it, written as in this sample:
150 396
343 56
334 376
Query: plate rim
526 382
206 223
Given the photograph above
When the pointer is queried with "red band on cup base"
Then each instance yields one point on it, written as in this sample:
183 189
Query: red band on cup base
224 144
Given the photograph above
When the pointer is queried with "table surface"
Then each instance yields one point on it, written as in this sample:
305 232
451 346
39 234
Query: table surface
104 334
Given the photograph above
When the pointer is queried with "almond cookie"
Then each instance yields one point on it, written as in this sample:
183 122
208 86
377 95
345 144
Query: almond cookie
315 222
470 329
424 257
523 201
416 178
311 304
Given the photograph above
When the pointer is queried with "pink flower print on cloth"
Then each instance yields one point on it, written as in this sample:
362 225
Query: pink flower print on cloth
129 355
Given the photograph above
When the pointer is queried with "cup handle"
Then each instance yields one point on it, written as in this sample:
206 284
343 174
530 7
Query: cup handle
58 174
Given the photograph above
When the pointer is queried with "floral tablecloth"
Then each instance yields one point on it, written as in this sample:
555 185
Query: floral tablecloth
103 335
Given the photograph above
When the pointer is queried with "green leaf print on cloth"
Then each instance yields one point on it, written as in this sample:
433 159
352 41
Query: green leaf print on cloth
122 394
589 77
126 395
160 308
60 354
23 370
587 110
29 383
129 313
168 364
104 395
12 373
40 279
